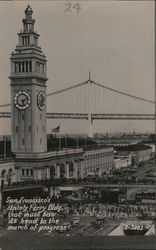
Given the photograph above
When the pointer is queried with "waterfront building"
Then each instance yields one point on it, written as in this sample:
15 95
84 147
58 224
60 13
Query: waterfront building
98 160
139 153
122 161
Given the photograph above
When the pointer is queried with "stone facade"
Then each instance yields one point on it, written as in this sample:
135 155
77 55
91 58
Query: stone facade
7 171
98 160
122 161
28 91
57 164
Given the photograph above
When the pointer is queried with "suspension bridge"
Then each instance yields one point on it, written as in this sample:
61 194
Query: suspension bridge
91 100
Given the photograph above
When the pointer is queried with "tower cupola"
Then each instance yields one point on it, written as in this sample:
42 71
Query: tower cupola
28 12
28 21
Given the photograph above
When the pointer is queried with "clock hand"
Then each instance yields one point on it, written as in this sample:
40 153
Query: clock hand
42 101
23 100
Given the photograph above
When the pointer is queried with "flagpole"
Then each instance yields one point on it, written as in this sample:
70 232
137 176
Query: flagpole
65 140
77 141
4 147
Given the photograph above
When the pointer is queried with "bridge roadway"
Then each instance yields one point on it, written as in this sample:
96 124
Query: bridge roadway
84 116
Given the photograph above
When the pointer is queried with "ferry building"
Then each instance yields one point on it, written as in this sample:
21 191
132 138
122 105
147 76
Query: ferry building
28 108
32 161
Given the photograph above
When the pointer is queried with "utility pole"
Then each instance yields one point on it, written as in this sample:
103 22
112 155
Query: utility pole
85 141
4 139
66 138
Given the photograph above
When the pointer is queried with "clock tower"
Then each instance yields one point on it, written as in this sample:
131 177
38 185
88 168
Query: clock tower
28 91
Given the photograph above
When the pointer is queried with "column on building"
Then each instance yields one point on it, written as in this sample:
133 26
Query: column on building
81 168
67 170
48 172
57 171
35 174
75 169
17 174
39 174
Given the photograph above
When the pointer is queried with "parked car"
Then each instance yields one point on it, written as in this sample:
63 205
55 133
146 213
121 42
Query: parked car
76 221
97 224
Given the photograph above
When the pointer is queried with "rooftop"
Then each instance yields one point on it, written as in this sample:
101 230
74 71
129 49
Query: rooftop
97 147
135 147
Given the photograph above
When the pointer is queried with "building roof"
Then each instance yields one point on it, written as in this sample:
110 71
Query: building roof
88 148
135 147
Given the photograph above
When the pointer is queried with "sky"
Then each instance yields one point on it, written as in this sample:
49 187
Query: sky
114 40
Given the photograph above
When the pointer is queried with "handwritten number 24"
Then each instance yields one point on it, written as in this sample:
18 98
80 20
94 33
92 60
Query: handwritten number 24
70 7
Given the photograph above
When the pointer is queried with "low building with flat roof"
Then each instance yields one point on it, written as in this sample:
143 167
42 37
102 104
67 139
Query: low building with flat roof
139 152
98 160
122 161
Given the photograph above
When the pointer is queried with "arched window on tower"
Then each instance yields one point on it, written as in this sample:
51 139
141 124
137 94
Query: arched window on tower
16 67
26 66
19 65
25 40
22 40
22 66
25 27
30 27
30 66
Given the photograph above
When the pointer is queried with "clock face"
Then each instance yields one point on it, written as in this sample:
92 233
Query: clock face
41 100
22 100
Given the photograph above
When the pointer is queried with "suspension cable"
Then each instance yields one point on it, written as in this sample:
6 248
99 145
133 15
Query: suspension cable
66 89
123 93
95 83
54 93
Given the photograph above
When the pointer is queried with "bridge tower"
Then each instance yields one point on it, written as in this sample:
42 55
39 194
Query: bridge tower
90 121
28 91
